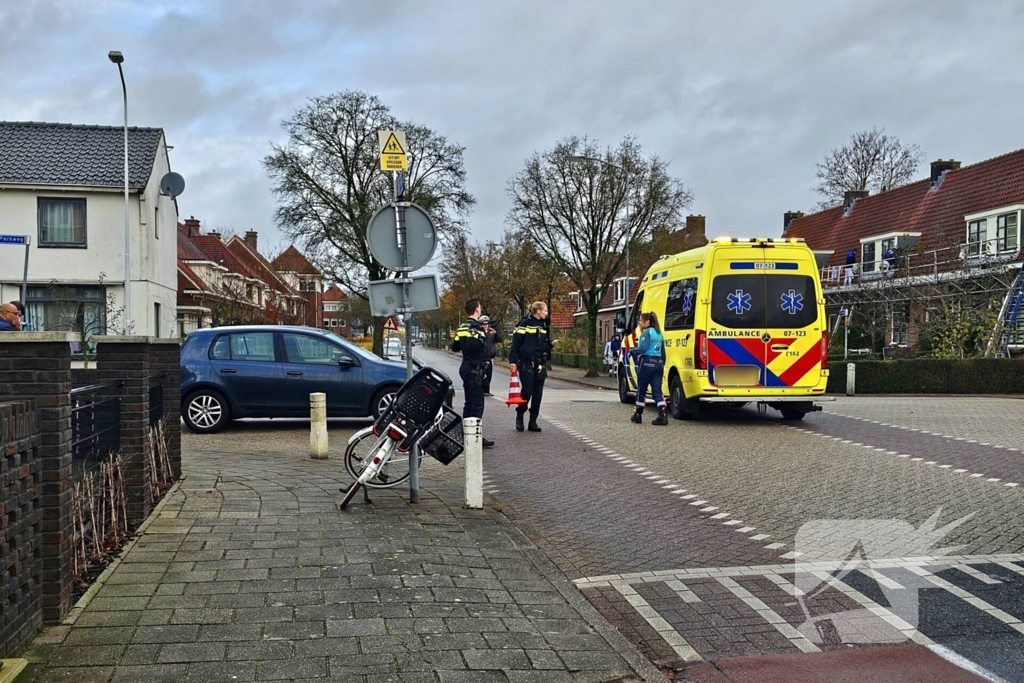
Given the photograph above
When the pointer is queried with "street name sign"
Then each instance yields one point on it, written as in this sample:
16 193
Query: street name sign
392 150
16 239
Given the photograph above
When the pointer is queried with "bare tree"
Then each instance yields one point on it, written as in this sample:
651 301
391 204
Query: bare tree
872 160
575 212
328 182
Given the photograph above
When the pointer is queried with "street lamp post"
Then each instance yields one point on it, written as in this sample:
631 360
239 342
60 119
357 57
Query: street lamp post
118 58
581 159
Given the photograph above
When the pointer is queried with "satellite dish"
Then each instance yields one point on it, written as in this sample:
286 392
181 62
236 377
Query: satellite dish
172 184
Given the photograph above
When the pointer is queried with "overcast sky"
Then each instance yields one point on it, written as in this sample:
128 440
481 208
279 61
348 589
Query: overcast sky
743 98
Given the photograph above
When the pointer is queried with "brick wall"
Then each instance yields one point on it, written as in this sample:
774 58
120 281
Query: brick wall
165 360
128 362
37 368
21 516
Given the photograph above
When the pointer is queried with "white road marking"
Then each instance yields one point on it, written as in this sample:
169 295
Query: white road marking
682 591
663 628
1008 619
771 616
975 574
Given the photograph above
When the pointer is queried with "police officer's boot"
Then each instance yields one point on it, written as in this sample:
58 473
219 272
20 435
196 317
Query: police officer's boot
637 415
533 424
519 422
662 418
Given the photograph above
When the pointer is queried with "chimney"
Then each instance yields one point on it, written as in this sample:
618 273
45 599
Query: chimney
251 237
851 196
192 226
788 218
695 225
214 234
939 167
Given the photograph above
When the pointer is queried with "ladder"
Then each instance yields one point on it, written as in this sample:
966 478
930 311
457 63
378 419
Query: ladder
1006 325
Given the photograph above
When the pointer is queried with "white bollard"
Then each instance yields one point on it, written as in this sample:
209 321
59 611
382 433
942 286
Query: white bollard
472 440
851 379
318 426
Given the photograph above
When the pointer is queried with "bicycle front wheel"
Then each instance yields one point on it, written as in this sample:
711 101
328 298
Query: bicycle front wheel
362 450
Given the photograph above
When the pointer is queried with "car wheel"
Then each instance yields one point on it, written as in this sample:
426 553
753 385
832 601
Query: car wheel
678 400
793 415
382 399
624 394
206 411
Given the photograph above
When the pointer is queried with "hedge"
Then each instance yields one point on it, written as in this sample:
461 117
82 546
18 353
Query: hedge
931 376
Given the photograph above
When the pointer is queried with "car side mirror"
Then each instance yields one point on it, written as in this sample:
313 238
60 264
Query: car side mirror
346 361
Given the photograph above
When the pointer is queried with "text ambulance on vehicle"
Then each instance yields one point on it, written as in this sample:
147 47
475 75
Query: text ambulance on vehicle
744 321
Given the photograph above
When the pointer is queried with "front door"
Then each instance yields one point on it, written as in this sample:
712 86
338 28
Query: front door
313 363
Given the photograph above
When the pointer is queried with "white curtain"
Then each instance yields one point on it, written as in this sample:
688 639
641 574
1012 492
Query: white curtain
59 219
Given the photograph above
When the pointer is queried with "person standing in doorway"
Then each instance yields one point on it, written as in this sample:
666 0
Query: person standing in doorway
650 352
529 354
470 341
851 264
491 340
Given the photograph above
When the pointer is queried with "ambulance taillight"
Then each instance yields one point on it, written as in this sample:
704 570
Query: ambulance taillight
824 349
702 350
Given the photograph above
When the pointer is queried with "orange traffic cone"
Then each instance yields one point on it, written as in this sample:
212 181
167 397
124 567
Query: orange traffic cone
515 396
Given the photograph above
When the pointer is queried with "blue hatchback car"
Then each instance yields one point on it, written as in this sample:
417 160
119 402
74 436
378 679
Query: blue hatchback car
270 371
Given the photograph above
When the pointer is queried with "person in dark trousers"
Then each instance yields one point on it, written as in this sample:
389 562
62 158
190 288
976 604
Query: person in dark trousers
491 340
616 348
470 340
650 352
529 354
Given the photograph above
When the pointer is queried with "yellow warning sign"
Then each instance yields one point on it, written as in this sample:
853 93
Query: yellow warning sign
392 150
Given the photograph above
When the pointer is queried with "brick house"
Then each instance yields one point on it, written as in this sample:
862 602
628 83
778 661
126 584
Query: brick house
337 315
936 247
303 277
229 283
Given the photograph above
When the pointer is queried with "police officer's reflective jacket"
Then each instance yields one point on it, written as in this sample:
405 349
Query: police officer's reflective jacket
530 342
470 340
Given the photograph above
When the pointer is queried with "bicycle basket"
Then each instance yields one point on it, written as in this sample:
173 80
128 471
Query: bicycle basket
444 440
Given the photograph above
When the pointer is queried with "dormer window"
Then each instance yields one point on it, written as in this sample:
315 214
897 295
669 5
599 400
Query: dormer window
995 233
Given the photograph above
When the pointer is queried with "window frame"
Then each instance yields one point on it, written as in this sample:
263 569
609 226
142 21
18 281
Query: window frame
868 265
43 244
1001 241
231 353
692 316
976 239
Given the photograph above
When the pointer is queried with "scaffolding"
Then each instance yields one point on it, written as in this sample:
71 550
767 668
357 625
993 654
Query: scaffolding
982 271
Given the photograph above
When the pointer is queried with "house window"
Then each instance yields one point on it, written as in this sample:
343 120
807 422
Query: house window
61 222
1006 232
620 290
156 320
867 261
345 308
327 323
341 323
976 234
68 309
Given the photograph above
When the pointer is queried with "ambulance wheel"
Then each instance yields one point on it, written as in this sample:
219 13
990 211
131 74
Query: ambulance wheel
624 395
682 409
794 415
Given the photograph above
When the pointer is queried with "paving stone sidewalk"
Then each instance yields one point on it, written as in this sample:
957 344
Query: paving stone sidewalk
249 572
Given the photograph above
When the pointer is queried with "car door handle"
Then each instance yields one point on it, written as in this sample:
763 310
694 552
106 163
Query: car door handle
295 373
228 371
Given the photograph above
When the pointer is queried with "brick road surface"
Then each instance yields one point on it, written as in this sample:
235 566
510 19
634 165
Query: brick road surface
251 573
685 536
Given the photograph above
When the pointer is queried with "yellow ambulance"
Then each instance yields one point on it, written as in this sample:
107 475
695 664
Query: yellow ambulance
744 321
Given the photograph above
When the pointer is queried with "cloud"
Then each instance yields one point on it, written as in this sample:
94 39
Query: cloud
742 98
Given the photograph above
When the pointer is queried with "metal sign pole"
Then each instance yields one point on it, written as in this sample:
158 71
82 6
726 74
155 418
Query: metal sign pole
24 286
403 245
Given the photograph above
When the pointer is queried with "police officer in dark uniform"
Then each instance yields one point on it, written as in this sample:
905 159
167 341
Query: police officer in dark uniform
529 354
470 340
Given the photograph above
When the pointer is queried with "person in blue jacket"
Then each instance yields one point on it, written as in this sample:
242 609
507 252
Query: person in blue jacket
650 352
